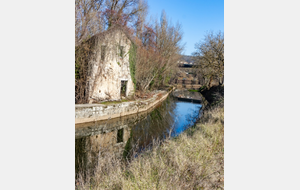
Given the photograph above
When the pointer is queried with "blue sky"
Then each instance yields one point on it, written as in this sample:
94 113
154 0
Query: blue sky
196 17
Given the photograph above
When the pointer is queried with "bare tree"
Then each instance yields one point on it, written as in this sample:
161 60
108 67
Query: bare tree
93 16
122 11
148 59
168 40
209 55
88 20
141 18
158 53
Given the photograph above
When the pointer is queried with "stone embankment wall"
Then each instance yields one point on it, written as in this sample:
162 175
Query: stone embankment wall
95 112
102 136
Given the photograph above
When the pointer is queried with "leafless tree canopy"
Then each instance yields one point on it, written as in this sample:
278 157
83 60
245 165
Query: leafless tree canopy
158 54
123 11
95 16
209 55
88 20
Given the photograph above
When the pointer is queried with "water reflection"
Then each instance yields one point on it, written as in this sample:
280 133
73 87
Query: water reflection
171 117
186 114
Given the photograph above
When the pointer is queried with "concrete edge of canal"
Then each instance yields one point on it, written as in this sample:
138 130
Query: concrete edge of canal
97 112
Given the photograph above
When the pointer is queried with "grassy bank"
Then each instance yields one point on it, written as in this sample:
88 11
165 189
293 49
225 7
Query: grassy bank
193 160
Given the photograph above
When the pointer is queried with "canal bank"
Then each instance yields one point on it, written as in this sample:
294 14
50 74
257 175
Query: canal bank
170 117
194 157
192 160
97 112
136 132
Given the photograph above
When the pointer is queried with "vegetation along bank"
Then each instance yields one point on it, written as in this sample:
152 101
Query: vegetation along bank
192 160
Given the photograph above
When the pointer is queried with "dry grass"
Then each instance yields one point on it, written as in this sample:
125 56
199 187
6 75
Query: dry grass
193 160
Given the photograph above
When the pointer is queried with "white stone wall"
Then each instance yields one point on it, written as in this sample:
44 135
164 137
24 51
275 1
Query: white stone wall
105 76
96 112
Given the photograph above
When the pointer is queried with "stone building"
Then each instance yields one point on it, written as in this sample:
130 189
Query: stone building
105 58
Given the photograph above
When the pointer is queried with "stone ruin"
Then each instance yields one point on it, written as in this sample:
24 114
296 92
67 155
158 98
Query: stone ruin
107 76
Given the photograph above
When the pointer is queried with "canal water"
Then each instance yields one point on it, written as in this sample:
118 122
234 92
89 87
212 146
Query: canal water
137 131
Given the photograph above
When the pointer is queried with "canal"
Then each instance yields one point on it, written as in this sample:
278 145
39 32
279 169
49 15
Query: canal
133 133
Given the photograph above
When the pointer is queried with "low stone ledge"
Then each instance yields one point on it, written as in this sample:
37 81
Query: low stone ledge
95 112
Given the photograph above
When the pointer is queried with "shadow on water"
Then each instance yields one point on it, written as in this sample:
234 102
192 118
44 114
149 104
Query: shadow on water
133 133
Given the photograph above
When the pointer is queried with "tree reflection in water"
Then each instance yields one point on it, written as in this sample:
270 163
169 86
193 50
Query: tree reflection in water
169 118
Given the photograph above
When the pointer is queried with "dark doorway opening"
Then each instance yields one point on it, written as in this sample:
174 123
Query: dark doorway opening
120 135
123 88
